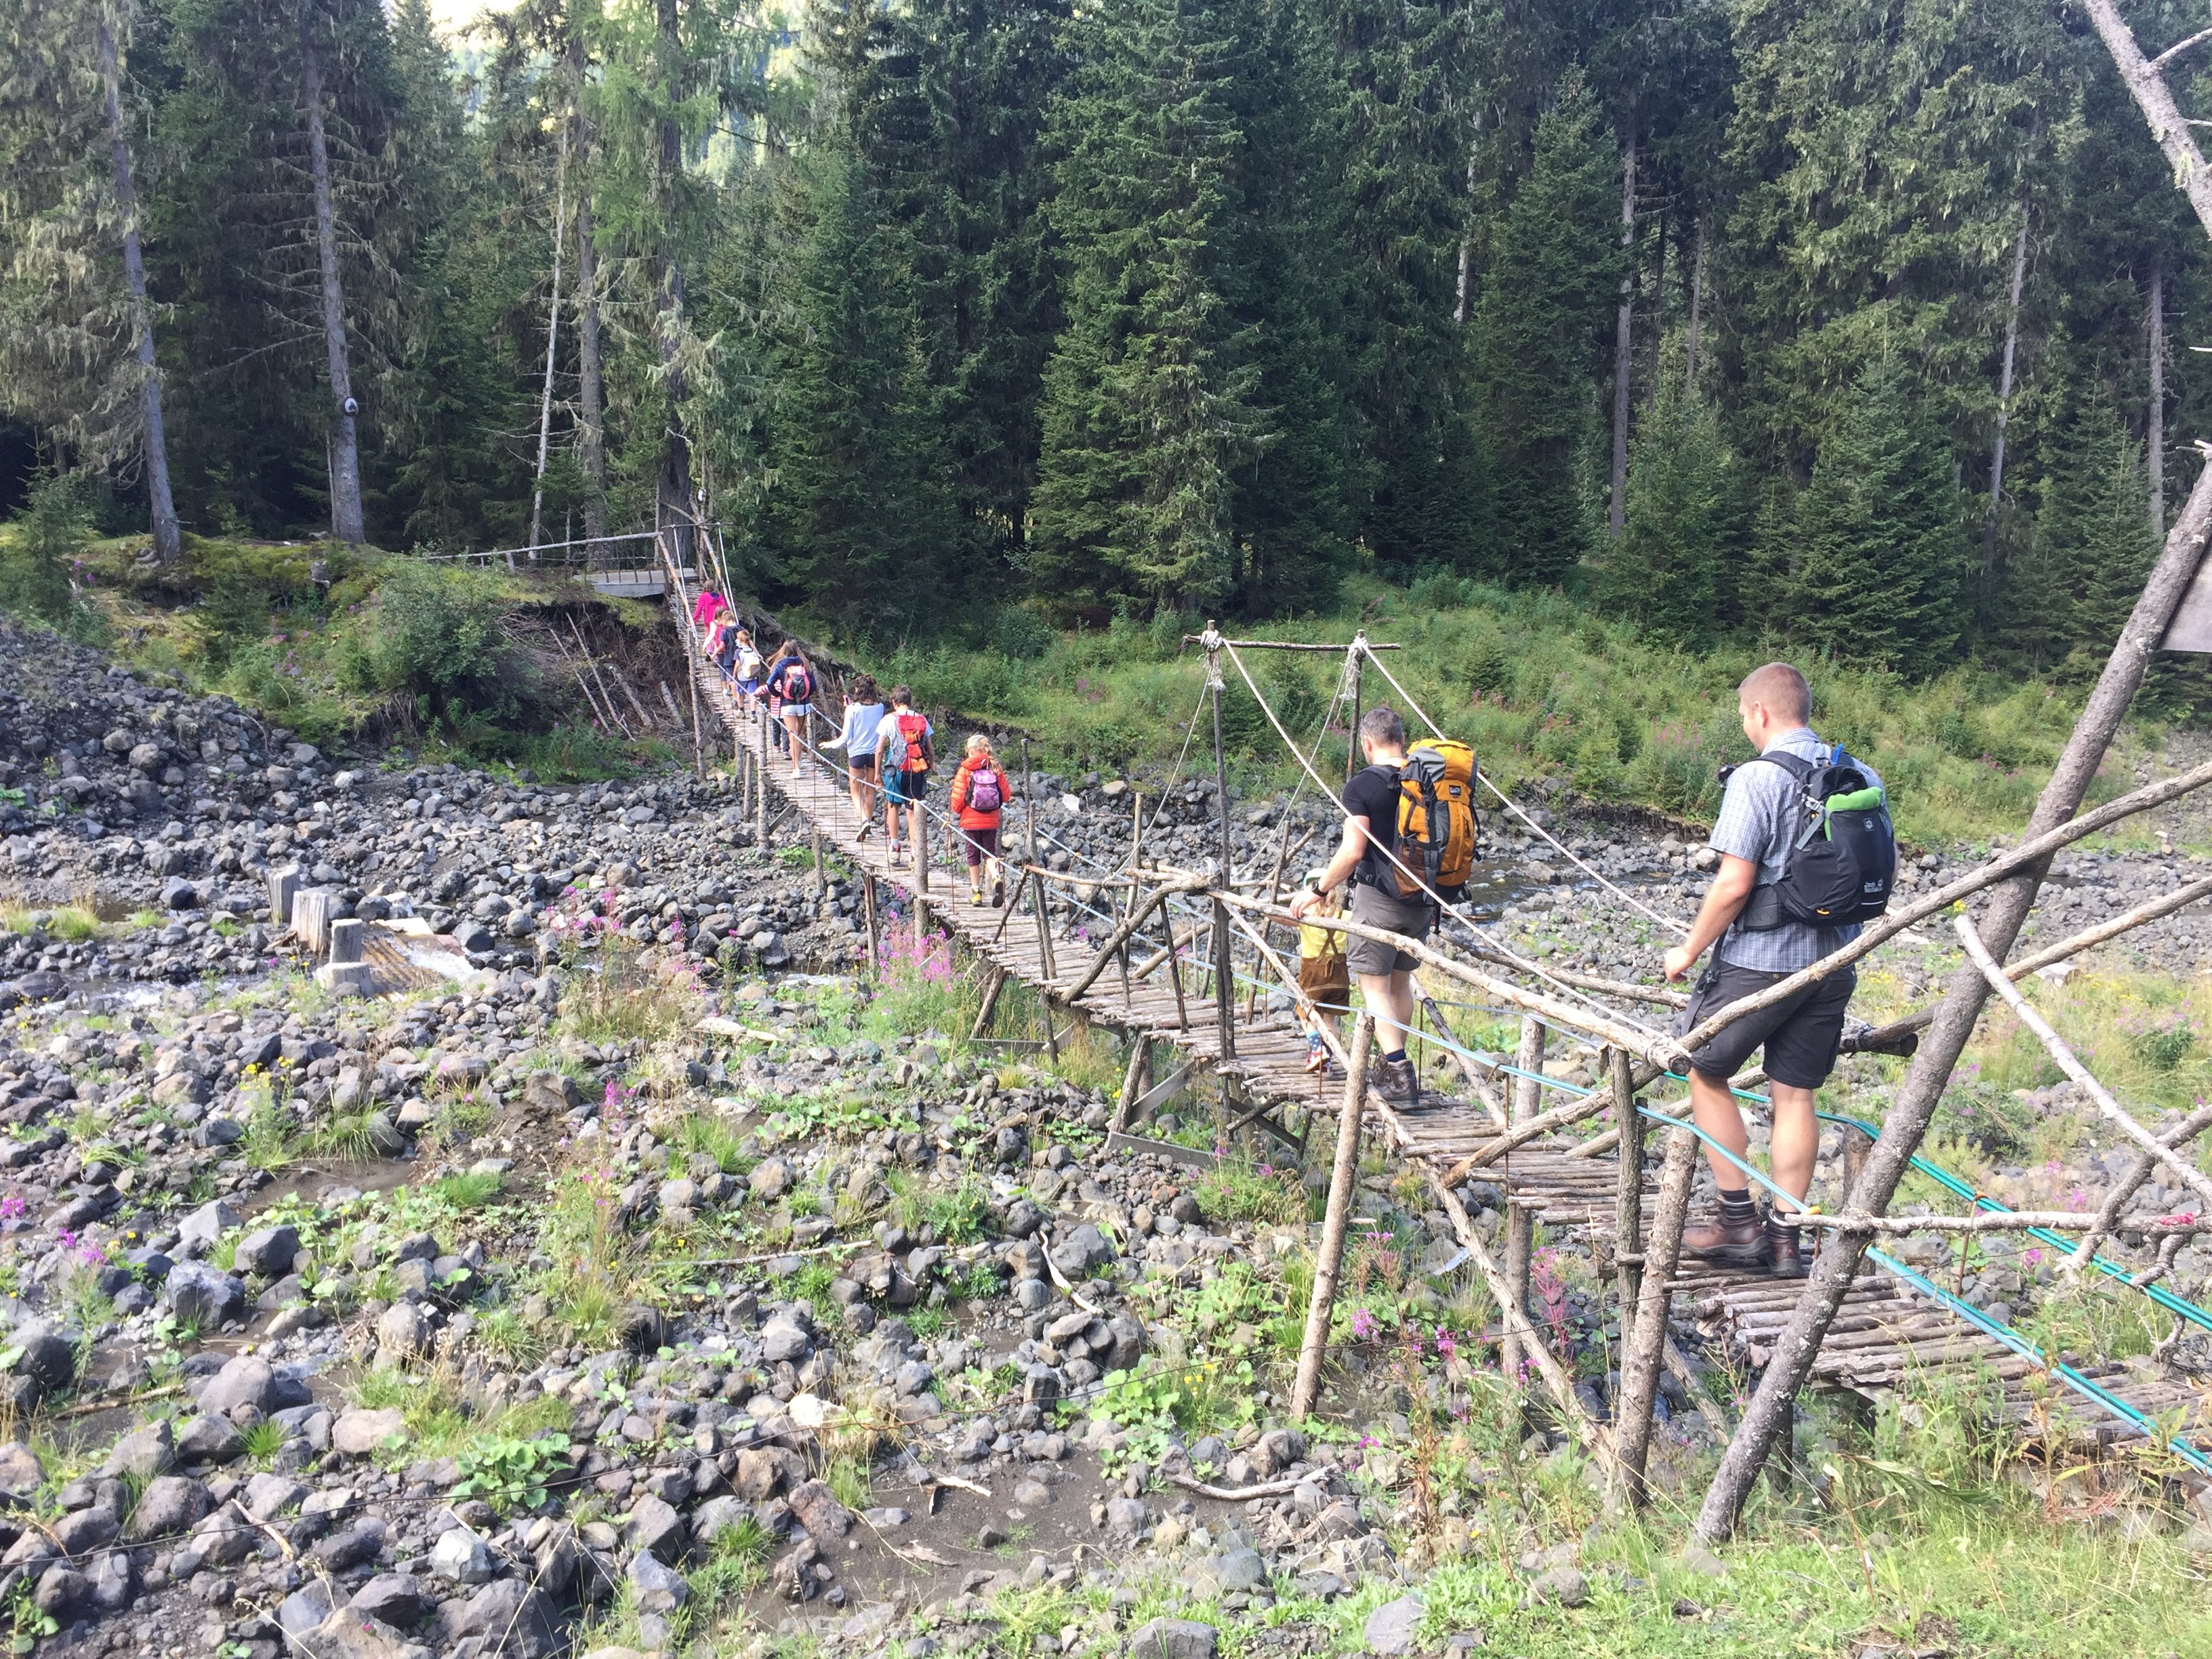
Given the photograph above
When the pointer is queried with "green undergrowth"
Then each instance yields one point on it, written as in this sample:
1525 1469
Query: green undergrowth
1542 687
327 640
1985 1585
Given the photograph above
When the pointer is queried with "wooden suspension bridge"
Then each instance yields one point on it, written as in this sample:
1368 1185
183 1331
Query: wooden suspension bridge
1160 954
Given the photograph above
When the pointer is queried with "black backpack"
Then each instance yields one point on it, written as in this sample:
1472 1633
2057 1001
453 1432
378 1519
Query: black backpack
1842 864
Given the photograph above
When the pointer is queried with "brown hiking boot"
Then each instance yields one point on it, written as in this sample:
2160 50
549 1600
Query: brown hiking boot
1785 1252
1396 1083
1736 1243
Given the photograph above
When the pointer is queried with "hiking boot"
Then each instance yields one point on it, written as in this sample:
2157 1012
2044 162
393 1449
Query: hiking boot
1396 1082
1737 1241
975 896
998 893
1785 1251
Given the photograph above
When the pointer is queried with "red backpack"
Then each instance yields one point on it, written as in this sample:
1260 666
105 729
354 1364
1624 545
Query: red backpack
913 735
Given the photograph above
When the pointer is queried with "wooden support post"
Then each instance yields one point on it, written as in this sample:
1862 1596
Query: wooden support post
1043 928
875 923
990 1004
821 875
1355 669
761 763
1628 1198
1175 975
1051 1037
1474 1079
1134 1081
1224 976
1136 852
1644 1342
1521 1103
1343 1174
698 730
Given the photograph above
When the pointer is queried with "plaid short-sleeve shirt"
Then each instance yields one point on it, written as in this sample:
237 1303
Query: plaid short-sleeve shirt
1759 816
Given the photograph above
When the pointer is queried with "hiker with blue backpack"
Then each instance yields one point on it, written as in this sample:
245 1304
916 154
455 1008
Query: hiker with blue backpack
1806 854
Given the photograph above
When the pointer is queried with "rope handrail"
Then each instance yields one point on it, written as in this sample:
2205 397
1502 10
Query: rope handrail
1420 885
1514 807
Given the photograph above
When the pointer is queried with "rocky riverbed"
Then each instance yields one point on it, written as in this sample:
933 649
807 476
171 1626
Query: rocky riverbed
523 1313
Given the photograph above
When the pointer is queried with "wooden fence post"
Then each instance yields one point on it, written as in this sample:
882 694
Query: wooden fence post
1341 1179
1134 1081
1521 1102
1628 1201
1644 1344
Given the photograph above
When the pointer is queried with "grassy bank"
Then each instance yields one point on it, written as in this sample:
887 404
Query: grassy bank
334 642
1543 689
1550 694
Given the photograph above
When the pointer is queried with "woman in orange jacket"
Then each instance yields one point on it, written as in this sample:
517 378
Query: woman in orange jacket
979 791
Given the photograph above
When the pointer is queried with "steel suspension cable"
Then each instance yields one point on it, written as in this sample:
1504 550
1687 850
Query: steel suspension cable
1514 807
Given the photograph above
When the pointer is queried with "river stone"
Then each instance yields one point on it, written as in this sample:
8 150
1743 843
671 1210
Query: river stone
1391 1628
170 1504
144 1453
244 1380
357 1433
1174 1638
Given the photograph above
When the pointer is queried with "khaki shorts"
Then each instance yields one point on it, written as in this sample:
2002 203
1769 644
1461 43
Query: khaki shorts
1325 982
1374 908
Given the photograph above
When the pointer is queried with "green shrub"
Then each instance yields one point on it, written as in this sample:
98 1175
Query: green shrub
54 528
440 637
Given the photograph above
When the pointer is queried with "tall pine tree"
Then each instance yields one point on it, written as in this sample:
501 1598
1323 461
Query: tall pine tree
1881 570
1665 570
1540 334
1146 398
861 513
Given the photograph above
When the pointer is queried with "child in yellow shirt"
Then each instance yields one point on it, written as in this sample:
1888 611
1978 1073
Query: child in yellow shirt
1324 981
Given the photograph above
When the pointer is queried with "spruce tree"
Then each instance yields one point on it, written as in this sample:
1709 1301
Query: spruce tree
76 332
1881 570
1664 572
1145 407
1393 136
945 102
1541 330
2092 548
860 510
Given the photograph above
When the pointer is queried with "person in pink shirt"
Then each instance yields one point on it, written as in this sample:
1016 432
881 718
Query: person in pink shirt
708 605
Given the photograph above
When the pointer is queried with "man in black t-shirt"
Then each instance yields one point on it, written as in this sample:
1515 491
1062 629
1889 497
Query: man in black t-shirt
1371 832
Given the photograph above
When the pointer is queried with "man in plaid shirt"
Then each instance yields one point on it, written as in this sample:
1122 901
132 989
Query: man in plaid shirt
1762 814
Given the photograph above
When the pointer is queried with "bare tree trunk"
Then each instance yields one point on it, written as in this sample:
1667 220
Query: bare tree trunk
2168 129
673 491
552 340
2154 436
1466 249
1623 335
1769 1414
169 540
2004 407
591 395
1697 298
345 446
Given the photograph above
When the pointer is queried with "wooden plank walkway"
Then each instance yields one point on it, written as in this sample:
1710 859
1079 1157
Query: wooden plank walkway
1885 1329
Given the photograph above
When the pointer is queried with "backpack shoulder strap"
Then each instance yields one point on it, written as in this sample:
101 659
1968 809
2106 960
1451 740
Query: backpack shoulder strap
1795 765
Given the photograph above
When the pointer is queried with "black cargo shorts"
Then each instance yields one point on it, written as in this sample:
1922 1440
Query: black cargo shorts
1800 1033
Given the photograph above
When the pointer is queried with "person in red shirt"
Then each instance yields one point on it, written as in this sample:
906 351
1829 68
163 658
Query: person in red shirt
979 796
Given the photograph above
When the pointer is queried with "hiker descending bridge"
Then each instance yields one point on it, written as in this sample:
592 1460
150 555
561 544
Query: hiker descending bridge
1187 963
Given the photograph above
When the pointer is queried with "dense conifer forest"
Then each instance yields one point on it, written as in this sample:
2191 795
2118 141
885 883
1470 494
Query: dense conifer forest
1865 326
